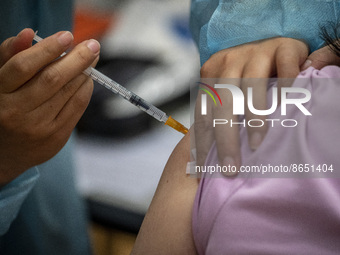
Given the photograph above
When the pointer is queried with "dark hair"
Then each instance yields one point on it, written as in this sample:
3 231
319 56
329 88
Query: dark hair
330 35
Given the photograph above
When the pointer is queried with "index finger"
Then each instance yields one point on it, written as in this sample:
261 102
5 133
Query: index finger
204 134
15 44
24 65
255 81
227 131
288 63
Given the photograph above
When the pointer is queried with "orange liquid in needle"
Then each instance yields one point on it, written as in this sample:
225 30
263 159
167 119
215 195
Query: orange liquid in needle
176 125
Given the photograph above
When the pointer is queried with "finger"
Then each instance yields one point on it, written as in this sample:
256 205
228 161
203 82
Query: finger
288 62
75 107
227 135
227 125
255 80
24 65
224 65
53 77
227 132
14 45
52 108
95 62
321 58
203 131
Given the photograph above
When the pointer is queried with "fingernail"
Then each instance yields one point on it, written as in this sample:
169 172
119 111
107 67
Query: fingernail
93 45
229 164
307 64
65 38
255 140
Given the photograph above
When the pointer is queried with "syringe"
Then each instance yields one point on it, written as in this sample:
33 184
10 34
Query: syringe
129 96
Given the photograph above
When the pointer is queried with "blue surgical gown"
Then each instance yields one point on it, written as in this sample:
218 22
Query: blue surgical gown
221 24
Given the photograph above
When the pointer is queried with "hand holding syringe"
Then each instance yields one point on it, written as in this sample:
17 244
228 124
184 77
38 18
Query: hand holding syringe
130 96
41 100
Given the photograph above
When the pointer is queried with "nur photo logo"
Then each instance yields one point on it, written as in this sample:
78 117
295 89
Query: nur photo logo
289 96
204 97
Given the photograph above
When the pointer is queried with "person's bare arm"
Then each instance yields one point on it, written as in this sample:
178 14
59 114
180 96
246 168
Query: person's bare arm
167 225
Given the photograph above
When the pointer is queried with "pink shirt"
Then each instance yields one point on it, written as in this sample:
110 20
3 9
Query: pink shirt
279 215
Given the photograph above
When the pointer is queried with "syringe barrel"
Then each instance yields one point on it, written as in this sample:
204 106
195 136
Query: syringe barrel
107 82
126 94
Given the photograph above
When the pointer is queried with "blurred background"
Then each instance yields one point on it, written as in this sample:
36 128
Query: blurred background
121 151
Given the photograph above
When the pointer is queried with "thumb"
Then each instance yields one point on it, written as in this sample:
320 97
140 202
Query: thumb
321 58
15 44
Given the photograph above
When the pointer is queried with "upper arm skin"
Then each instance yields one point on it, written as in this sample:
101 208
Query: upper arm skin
167 228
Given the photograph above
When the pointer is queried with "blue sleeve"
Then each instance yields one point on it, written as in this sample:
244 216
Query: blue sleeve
217 25
45 16
52 219
48 17
13 195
